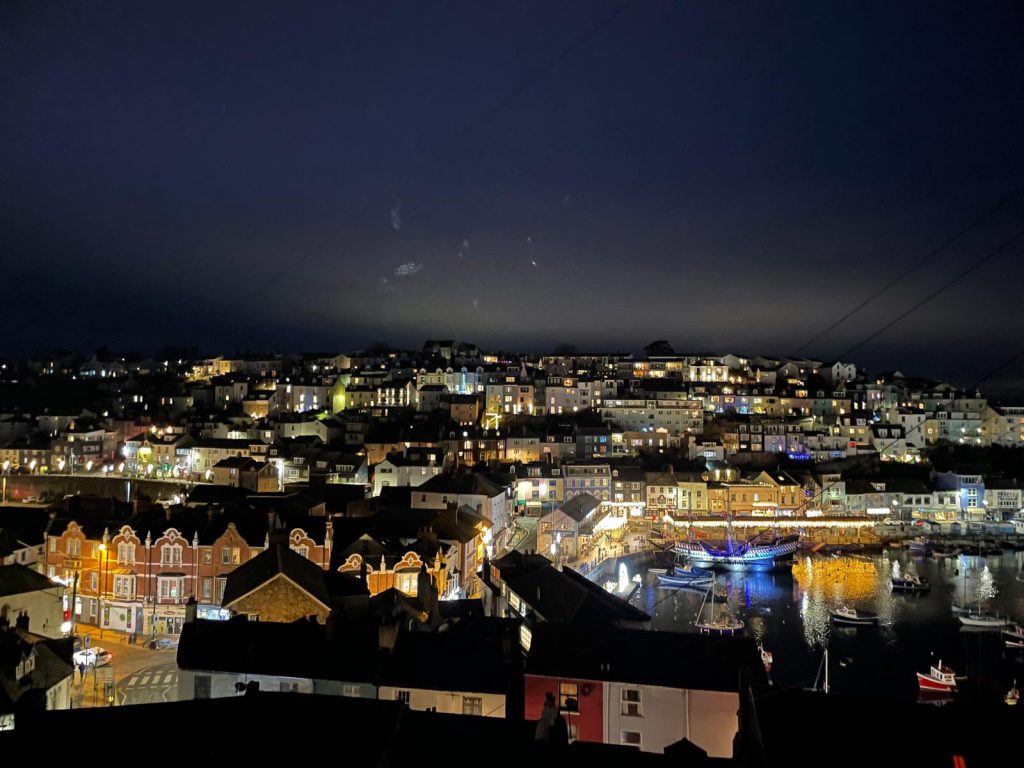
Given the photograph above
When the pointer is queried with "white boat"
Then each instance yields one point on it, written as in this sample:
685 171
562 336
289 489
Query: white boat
847 615
717 625
982 620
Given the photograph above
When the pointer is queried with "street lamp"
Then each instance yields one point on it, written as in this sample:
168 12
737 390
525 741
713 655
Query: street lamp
104 556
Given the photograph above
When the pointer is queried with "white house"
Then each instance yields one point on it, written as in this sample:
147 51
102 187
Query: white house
23 591
400 472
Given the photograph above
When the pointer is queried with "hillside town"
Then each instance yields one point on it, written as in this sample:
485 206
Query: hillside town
381 508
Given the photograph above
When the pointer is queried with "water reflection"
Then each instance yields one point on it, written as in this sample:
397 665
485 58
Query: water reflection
790 614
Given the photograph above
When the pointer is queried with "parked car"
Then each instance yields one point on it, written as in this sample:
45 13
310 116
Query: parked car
92 657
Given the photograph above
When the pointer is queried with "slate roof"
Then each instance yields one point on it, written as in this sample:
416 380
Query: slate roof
479 655
463 484
17 580
643 657
297 649
276 560
565 596
580 506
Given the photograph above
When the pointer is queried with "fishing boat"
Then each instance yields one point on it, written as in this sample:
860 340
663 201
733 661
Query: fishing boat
717 625
910 582
1012 696
846 615
938 678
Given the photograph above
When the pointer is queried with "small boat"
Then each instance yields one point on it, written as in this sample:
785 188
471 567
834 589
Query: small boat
846 615
724 625
910 583
938 678
1014 632
681 576
1012 696
717 625
919 546
676 580
1015 645
945 553
982 620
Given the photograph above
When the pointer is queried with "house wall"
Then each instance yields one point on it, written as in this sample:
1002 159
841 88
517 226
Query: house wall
449 702
59 696
588 721
708 718
45 610
713 721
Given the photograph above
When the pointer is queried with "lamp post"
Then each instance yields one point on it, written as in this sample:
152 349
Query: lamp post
103 573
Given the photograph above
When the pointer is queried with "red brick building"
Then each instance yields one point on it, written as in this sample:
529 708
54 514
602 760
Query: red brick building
137 575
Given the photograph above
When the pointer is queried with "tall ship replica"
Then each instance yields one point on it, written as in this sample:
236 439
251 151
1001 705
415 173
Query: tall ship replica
758 553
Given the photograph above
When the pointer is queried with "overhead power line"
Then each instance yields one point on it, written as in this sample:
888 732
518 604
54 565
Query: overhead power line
914 267
938 291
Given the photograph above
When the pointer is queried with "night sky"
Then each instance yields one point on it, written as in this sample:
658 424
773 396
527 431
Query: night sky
730 176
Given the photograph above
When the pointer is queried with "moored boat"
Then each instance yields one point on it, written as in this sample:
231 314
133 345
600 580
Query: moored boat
1012 696
716 625
982 620
723 625
682 580
919 546
1014 632
938 678
735 556
846 615
910 582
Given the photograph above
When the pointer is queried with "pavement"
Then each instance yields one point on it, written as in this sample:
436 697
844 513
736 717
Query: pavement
137 673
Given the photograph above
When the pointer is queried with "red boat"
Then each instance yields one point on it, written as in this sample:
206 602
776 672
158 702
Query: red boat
940 678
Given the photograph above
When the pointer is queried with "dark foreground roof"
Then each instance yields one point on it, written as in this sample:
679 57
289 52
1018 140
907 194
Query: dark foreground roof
17 580
260 730
564 596
644 657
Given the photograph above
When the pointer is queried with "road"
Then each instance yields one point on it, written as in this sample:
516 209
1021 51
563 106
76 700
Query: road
139 675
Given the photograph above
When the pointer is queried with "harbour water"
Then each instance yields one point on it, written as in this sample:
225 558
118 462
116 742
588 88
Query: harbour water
788 612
